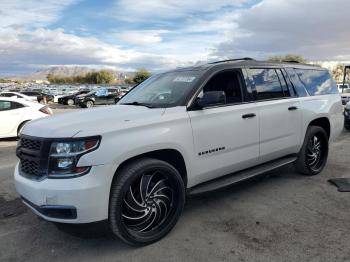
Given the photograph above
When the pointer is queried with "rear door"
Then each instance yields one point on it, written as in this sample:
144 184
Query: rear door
112 93
101 96
226 136
11 114
279 113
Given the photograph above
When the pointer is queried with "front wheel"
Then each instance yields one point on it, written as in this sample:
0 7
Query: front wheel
146 200
313 155
89 104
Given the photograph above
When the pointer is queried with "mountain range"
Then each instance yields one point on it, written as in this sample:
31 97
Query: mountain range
68 71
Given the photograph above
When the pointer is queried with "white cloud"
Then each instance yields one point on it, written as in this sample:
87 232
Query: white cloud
141 9
164 34
314 29
31 13
51 47
140 37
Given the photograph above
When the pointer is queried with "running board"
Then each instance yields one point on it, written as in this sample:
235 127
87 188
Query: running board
240 176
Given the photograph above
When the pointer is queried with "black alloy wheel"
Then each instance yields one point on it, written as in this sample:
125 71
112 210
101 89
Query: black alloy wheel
147 198
313 155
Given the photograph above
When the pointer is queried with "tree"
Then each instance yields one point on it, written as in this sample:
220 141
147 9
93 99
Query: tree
141 75
100 77
338 73
129 81
289 57
104 77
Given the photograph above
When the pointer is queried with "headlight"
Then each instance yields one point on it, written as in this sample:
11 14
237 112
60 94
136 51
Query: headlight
64 157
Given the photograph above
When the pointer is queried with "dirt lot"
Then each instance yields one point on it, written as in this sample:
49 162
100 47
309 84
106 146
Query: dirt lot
278 217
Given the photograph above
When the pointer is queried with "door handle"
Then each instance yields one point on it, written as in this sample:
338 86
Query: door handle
291 108
248 115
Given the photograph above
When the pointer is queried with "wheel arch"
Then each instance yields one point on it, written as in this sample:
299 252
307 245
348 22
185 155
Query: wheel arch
169 155
22 124
322 122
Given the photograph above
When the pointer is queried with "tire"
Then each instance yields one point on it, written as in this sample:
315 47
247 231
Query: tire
70 102
89 104
313 155
159 210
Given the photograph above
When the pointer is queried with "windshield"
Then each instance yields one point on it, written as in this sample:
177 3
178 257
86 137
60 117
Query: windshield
162 90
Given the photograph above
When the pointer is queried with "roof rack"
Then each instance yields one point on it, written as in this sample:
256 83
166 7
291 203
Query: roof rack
231 60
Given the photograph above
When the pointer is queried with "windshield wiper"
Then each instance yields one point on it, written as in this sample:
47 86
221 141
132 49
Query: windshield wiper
135 103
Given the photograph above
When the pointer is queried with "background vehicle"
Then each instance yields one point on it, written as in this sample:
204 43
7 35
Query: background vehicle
18 95
48 98
186 131
342 87
32 94
345 96
101 96
14 113
70 99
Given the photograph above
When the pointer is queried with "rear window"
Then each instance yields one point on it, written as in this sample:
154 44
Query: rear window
317 82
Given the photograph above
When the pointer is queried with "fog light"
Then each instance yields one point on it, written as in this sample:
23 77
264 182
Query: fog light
65 162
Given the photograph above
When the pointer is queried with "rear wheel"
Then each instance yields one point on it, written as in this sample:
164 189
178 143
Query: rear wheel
70 102
147 198
314 153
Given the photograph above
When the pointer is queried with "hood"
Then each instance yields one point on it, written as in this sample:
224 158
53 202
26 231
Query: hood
95 121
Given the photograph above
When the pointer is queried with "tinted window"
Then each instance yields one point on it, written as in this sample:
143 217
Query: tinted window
267 83
283 82
298 85
31 93
9 105
229 83
15 105
9 95
317 82
5 105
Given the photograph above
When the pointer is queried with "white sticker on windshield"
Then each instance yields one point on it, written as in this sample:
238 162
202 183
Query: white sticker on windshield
186 79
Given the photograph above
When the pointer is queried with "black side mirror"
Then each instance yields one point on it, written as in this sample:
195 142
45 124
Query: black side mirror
212 98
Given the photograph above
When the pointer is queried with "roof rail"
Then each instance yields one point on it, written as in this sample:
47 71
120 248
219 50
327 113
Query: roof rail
231 60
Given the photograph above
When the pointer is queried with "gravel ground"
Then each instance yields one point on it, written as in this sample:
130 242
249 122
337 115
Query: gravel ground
282 216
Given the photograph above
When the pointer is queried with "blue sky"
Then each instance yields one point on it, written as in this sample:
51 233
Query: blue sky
163 34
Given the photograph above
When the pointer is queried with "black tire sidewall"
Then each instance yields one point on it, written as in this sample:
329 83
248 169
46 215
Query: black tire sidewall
120 187
301 161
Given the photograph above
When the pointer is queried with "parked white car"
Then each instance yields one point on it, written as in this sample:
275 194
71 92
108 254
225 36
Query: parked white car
15 113
186 131
18 95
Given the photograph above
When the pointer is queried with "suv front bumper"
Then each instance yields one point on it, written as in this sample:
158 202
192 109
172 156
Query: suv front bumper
83 199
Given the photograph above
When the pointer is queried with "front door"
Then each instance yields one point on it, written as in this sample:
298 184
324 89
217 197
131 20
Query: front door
226 137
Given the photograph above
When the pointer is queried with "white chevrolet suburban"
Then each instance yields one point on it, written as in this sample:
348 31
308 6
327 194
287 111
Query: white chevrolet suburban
181 132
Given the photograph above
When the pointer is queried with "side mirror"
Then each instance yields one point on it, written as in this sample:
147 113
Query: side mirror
212 98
